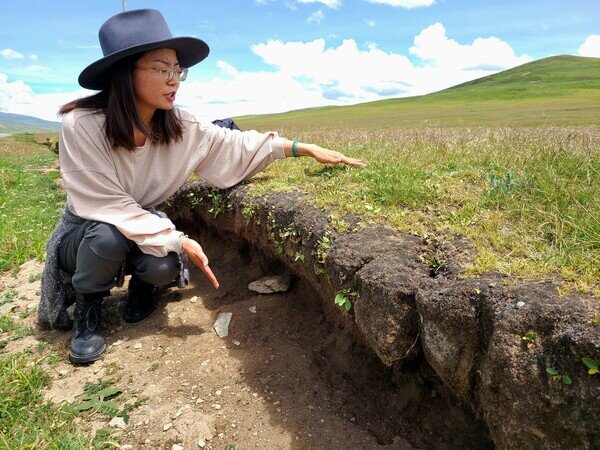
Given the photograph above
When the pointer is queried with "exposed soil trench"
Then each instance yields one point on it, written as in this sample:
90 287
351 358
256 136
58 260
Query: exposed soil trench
286 377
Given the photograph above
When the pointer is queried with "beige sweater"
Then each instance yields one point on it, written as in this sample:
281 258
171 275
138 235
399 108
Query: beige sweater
114 186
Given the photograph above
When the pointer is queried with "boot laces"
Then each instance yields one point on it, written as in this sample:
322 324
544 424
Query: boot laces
93 316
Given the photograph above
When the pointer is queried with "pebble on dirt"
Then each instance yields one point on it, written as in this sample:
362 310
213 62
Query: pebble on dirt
222 324
117 422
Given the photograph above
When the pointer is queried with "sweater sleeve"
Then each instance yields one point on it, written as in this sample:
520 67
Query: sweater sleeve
95 193
232 155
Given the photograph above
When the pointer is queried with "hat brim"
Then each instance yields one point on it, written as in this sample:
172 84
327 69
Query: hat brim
190 51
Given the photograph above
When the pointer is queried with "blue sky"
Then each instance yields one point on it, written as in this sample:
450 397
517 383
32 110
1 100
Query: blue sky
277 55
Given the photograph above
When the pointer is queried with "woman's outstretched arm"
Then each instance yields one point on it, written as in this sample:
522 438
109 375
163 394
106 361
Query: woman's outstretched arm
320 154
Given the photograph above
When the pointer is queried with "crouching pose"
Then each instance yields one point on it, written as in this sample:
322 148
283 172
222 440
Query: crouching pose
125 150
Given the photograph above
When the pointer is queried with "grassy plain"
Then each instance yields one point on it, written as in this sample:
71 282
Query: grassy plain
30 199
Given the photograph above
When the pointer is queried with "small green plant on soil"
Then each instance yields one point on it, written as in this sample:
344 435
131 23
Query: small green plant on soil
102 397
555 376
193 199
342 299
15 329
299 256
436 264
530 336
592 365
338 224
229 447
218 202
320 252
248 212
35 277
596 320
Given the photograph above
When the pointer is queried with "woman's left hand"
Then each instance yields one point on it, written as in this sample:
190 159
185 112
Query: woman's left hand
326 156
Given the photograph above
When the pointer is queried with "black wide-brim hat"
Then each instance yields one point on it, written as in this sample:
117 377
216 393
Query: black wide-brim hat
137 31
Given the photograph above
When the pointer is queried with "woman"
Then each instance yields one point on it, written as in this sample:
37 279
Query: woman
125 150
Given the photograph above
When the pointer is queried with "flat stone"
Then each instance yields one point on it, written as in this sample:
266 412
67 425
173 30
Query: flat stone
6 308
176 447
222 324
194 299
271 284
201 443
167 426
137 345
178 413
117 422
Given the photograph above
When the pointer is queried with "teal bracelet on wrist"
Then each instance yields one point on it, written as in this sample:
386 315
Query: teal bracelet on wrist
295 149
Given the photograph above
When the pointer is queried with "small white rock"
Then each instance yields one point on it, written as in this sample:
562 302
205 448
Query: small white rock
178 413
252 309
201 443
194 299
127 447
216 406
219 392
167 426
117 422
137 345
520 304
237 343
63 372
176 447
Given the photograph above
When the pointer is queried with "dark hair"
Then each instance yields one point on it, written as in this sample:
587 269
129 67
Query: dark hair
117 102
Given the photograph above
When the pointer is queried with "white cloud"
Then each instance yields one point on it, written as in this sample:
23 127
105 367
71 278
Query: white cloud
18 98
307 74
328 3
370 23
38 68
590 47
9 53
316 17
227 68
491 53
33 57
313 74
408 4
239 93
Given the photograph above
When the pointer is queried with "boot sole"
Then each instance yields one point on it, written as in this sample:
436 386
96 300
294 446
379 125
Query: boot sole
84 359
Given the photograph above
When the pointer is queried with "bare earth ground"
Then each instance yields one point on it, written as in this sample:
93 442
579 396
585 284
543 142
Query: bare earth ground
284 378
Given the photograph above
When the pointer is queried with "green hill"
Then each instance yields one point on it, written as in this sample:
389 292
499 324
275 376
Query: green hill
560 90
18 123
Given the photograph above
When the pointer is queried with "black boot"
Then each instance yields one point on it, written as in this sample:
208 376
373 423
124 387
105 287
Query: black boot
87 344
140 300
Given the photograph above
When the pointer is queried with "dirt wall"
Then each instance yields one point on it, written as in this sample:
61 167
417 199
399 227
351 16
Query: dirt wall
464 336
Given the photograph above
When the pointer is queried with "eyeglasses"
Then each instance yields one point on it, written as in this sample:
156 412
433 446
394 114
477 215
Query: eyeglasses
167 74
